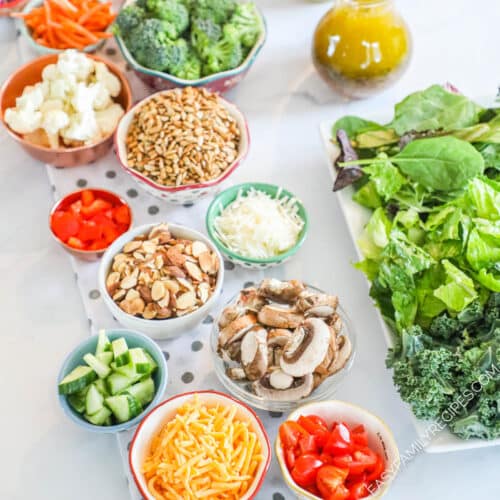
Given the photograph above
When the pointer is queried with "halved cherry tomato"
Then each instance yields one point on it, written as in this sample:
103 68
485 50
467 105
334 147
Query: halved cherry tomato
76 243
121 215
375 472
316 426
97 206
65 225
290 433
341 493
329 479
359 435
307 444
327 459
87 197
339 441
289 458
306 468
359 490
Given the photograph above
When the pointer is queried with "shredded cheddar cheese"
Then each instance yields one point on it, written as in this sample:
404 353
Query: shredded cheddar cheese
204 452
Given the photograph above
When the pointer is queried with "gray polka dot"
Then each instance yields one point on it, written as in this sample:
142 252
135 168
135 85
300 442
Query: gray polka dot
187 377
188 204
110 174
275 414
81 183
228 265
248 284
132 193
208 320
278 496
197 346
18 33
76 276
128 445
94 294
166 355
53 188
90 322
153 210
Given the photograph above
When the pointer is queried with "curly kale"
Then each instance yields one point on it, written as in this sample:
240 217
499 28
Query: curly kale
246 21
129 18
444 327
471 314
171 11
470 427
218 10
492 310
204 33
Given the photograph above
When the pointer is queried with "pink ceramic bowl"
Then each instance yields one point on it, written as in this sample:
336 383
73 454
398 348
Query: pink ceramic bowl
188 193
165 411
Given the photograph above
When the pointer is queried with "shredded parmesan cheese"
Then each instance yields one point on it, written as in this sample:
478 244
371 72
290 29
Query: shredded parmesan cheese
204 452
258 226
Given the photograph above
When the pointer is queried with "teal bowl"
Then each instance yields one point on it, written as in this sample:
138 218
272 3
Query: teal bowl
226 197
42 49
134 339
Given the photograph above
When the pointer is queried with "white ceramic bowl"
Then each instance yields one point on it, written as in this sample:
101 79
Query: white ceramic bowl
380 439
166 411
158 329
189 193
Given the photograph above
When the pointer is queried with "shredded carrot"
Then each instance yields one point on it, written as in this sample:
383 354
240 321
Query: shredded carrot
69 24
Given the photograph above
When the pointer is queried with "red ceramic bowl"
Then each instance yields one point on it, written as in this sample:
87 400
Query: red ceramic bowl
188 193
165 411
11 6
31 73
66 201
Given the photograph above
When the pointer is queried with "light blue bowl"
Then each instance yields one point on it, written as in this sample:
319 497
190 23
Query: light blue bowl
134 339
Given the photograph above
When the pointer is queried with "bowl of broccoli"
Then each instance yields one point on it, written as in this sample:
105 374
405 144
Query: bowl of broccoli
178 43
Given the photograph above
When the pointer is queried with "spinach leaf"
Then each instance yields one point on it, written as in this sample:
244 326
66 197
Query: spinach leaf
490 153
432 109
353 125
440 163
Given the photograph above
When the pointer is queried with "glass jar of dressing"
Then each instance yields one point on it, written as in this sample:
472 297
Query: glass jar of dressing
361 47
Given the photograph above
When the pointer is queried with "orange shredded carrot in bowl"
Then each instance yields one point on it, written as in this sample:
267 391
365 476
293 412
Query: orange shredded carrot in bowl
69 24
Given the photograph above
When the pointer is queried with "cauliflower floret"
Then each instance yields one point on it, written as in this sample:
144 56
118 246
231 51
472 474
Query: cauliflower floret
51 104
50 72
82 127
110 81
61 88
53 121
102 99
108 118
75 63
83 97
31 99
23 121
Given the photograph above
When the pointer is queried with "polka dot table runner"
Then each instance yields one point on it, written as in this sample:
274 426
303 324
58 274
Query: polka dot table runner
189 359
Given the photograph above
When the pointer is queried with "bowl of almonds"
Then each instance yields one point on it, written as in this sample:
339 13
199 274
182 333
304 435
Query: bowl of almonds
161 279
181 144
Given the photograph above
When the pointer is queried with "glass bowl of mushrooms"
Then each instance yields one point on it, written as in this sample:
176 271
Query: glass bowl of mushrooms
281 344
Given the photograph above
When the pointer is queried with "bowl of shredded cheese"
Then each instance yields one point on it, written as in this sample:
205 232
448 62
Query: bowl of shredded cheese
202 444
257 225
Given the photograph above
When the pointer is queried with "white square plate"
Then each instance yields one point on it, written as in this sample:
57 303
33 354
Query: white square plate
356 217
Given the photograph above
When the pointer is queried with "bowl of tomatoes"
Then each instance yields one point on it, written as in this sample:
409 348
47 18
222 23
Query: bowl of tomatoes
333 450
87 221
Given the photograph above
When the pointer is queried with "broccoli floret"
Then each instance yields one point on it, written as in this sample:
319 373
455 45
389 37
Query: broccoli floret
129 18
246 21
204 33
171 11
177 55
218 10
151 46
224 55
444 327
191 69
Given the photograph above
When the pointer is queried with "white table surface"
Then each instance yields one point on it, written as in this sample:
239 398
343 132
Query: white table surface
45 456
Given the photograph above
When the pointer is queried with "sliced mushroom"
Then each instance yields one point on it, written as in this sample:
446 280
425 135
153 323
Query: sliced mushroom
336 323
254 353
331 354
279 317
278 336
284 292
319 305
229 314
306 349
236 329
344 349
250 299
236 373
232 352
278 379
301 388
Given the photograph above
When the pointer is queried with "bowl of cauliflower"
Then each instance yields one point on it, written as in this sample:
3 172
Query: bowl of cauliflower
63 109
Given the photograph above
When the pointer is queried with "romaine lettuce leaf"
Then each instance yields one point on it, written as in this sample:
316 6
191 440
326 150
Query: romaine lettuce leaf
386 177
458 291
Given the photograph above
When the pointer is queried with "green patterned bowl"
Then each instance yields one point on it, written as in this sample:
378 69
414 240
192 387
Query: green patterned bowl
226 198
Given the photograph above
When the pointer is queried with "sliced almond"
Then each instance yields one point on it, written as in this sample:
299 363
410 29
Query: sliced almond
132 246
203 292
145 293
163 313
172 286
158 290
139 256
175 257
150 311
159 231
165 300
159 262
175 271
137 306
198 248
119 295
186 284
194 271
132 294
206 262
149 247
112 282
128 282
186 300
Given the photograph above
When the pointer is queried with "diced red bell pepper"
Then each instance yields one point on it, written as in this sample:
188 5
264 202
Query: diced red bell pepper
76 243
87 197
122 215
89 231
96 207
65 225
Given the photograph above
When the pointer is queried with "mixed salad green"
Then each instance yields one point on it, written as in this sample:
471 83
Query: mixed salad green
432 247
189 39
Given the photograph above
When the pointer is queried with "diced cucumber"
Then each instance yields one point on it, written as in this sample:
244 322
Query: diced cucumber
78 379
101 386
105 357
98 366
117 382
103 343
152 362
77 402
143 391
124 407
120 351
139 360
102 417
94 400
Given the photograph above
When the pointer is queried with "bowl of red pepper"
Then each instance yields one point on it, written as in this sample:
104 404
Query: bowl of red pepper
334 450
87 221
